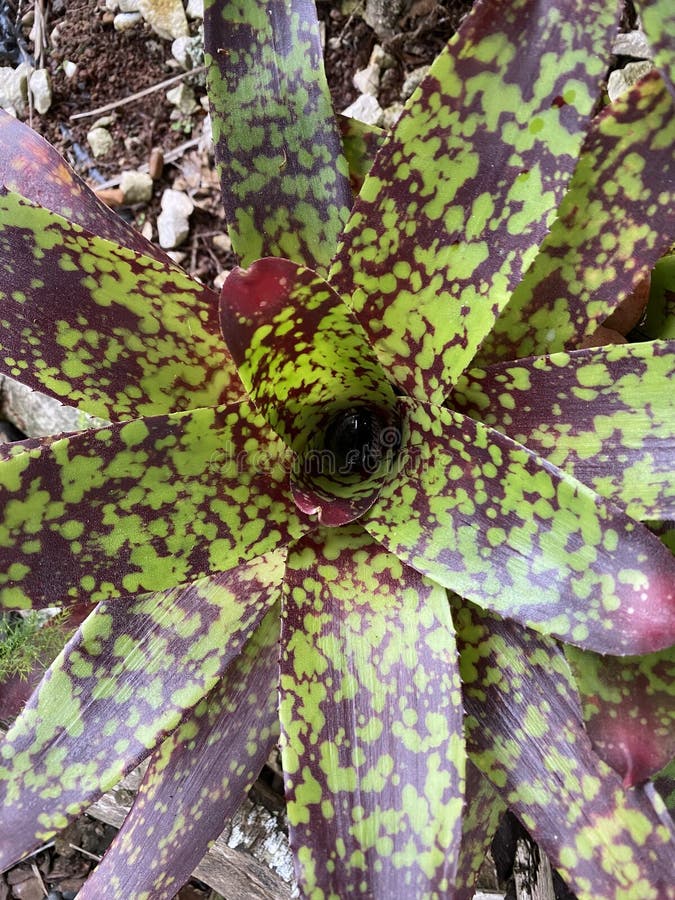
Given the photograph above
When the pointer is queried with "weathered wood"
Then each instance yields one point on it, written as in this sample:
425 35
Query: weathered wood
251 860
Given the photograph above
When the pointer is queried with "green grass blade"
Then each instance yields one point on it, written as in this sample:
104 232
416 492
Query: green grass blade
371 720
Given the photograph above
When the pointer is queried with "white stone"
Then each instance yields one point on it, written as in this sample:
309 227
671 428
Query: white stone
633 43
222 242
621 80
136 187
126 21
69 68
366 109
367 81
180 51
173 224
112 5
183 98
100 140
413 80
40 87
195 9
128 6
165 17
103 121
14 87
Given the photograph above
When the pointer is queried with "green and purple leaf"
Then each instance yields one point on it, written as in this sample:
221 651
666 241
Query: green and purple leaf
33 168
658 21
142 506
462 192
307 365
482 811
612 226
99 326
284 178
605 416
126 679
495 523
629 709
360 143
371 719
660 318
190 789
525 733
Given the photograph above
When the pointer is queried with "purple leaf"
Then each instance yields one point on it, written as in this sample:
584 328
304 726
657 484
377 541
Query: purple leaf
488 519
525 733
191 787
126 679
142 506
371 720
605 416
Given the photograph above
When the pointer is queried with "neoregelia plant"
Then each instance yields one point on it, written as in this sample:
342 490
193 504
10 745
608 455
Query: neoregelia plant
400 468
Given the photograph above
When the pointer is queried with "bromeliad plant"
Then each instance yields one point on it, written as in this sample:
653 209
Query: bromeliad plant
399 461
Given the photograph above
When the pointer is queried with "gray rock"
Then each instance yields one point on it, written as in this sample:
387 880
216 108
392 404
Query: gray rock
366 109
14 87
100 140
165 17
183 98
413 80
136 187
40 87
633 43
367 81
173 224
126 21
69 68
194 9
621 80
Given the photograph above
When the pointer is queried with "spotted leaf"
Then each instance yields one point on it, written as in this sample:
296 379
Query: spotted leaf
101 327
360 143
480 820
658 21
307 365
525 733
485 517
613 225
284 179
660 319
624 700
33 168
461 194
142 506
126 679
606 416
371 721
190 788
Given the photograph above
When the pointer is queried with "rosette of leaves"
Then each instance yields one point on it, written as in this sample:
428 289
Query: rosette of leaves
395 466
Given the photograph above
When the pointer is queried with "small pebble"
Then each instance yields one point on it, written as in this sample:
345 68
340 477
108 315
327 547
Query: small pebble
100 140
126 21
173 225
365 109
622 80
136 187
69 68
183 98
40 87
